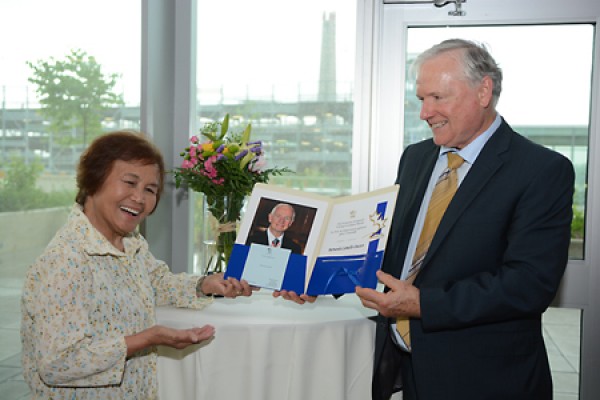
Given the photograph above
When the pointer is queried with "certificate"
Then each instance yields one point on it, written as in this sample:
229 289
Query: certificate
265 266
333 244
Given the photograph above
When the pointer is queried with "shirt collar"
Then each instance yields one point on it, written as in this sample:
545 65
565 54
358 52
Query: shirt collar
271 236
95 243
470 152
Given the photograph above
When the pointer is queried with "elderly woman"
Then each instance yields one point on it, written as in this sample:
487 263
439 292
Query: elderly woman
88 308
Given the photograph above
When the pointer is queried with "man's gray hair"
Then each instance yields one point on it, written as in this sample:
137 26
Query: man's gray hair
476 60
284 205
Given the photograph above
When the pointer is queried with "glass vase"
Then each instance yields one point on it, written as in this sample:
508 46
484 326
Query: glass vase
222 215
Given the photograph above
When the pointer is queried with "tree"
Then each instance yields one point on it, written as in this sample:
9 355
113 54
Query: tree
18 190
74 93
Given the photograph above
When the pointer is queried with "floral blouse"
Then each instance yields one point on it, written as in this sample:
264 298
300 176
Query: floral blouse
81 298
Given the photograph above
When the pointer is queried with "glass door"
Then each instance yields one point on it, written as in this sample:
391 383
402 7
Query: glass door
548 62
550 111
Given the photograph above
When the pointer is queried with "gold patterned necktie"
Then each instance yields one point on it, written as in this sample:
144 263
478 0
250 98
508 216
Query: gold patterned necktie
443 192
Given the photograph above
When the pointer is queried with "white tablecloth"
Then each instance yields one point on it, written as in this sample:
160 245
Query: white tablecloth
266 348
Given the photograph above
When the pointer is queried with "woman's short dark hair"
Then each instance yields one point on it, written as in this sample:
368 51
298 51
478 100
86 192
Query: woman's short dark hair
96 162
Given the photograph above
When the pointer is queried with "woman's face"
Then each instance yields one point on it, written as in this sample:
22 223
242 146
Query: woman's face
127 196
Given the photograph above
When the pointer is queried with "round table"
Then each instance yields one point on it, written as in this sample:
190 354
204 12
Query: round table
266 348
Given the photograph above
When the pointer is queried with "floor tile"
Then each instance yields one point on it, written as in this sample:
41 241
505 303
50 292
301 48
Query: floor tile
14 390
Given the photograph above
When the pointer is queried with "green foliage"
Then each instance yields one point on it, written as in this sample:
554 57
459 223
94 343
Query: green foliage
578 223
74 93
18 191
22 177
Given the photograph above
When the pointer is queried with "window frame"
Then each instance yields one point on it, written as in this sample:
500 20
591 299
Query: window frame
582 276
167 104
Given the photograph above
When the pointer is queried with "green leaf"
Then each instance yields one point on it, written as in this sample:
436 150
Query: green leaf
224 126
246 134
246 159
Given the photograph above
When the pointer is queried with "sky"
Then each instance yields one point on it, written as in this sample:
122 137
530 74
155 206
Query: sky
31 30
271 43
546 69
271 47
264 42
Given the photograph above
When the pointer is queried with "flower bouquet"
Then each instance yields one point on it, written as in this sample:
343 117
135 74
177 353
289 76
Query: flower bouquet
224 166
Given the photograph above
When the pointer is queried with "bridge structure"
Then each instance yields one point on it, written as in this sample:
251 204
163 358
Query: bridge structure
308 128
313 138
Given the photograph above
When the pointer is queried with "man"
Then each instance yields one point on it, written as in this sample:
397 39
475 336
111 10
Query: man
281 218
495 261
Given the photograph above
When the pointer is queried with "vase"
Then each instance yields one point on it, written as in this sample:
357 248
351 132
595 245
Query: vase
222 215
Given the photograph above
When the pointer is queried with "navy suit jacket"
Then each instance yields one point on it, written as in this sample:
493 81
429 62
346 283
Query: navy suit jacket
263 238
492 269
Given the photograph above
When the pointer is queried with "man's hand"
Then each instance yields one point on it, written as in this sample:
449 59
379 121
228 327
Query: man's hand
402 300
291 295
230 287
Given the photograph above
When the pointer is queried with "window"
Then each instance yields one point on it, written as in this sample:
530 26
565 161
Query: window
546 91
287 69
37 162
541 48
546 96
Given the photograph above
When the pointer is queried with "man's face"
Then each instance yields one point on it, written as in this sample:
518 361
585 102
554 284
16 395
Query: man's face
281 219
456 110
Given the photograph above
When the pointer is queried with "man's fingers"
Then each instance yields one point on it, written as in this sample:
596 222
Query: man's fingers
369 294
388 280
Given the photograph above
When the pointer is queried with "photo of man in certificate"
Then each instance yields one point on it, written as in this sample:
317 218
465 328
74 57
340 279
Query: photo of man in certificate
280 219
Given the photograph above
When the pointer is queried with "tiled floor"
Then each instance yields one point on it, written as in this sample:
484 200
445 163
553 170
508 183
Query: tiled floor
561 332
562 336
12 385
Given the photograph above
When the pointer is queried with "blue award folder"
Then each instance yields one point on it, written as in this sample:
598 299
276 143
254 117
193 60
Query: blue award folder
342 241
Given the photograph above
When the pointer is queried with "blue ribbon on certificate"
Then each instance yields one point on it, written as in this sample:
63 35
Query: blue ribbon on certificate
341 274
344 271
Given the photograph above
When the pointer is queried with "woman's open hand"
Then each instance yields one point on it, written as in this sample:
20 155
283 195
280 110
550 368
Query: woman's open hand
166 336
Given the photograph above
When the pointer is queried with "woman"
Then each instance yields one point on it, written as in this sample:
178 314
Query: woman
88 308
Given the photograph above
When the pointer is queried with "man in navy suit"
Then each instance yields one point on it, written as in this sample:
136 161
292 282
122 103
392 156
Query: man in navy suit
281 218
496 260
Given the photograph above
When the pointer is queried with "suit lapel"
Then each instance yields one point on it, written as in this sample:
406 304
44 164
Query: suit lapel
423 170
487 164
415 171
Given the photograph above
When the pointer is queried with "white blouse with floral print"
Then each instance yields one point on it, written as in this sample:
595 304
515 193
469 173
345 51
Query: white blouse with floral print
81 298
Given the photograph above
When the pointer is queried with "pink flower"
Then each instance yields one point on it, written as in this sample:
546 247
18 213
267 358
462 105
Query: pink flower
258 165
194 139
209 169
187 164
